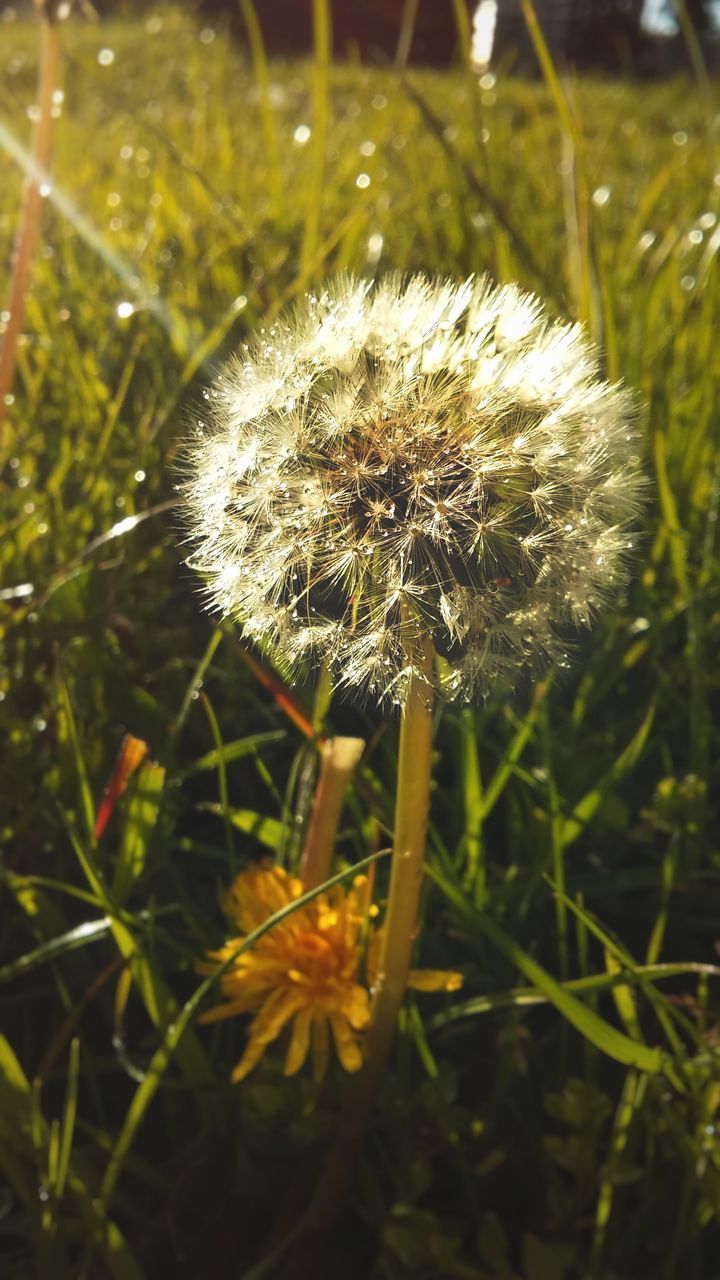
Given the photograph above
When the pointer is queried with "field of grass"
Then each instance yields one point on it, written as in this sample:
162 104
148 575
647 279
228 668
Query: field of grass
556 1119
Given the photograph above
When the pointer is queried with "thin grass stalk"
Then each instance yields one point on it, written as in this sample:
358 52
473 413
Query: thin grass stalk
407 31
28 231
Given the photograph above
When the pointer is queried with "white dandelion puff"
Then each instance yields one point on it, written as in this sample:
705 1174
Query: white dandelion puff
414 458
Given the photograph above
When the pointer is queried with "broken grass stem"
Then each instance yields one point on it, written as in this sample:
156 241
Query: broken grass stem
338 758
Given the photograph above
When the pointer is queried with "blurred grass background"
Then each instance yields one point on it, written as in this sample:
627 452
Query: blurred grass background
194 191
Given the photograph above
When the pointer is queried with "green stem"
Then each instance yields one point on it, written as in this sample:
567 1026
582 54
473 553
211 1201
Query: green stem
412 804
411 817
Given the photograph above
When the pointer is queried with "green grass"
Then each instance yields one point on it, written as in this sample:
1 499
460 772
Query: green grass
557 1117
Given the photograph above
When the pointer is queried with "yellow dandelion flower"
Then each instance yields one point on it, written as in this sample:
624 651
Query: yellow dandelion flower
304 973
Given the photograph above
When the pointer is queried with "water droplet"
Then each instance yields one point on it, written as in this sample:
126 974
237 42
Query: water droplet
367 147
600 196
207 35
302 135
20 592
38 724
379 102
688 283
139 476
374 247
106 57
363 181
124 310
680 137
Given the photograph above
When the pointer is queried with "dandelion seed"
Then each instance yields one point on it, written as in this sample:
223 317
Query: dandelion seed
417 458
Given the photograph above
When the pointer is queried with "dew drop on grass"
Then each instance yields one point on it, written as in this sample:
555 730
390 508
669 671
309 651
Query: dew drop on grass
374 247
106 57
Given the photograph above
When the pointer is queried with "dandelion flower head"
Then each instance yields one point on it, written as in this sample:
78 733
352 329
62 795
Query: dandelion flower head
305 972
413 458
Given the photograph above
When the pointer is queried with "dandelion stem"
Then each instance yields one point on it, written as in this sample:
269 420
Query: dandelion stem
411 818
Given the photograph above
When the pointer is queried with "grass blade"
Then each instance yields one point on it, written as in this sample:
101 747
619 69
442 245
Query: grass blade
590 1025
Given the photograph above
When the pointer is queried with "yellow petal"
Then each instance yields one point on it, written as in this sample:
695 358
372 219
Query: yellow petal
357 1008
268 1024
232 1009
320 1048
434 980
348 1049
299 1042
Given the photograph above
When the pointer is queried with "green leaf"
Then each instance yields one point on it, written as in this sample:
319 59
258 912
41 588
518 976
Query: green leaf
69 737
80 936
232 751
140 819
586 808
267 831
589 1024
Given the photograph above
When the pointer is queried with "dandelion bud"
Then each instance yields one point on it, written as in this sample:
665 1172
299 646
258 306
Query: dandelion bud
415 458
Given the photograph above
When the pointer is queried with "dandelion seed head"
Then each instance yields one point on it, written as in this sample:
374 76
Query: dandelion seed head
417 457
